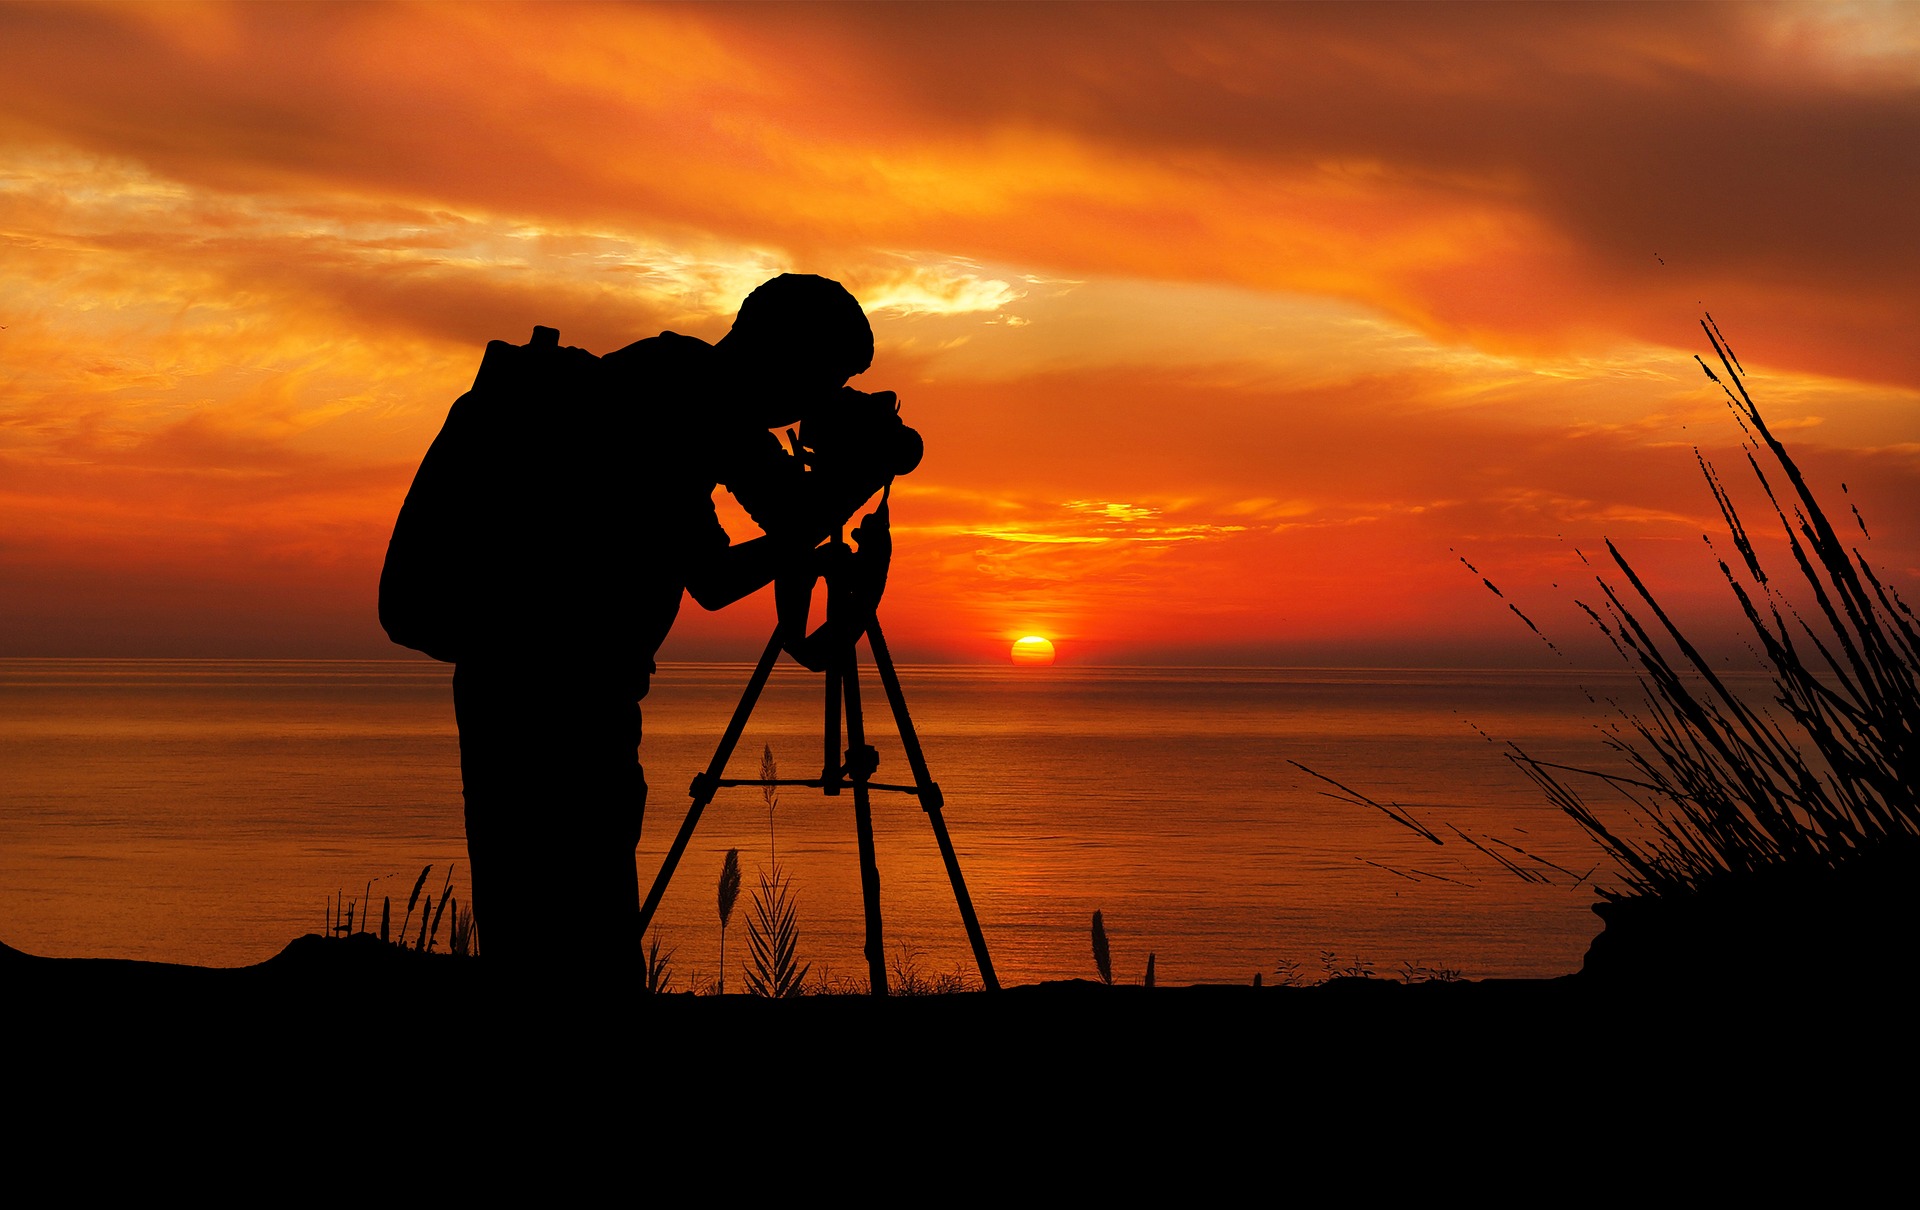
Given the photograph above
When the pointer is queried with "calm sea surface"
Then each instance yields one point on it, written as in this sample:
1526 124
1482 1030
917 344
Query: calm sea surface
205 811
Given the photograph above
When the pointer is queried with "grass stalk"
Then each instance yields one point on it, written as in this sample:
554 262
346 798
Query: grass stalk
1102 959
414 899
729 891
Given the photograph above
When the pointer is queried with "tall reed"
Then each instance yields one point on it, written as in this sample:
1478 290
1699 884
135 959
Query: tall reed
1726 788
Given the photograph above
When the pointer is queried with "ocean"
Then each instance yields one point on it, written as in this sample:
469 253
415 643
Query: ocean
208 812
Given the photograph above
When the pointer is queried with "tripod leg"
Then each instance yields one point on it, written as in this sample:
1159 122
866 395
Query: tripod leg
860 763
831 774
931 801
706 785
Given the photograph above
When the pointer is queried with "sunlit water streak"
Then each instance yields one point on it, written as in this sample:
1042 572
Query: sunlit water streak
203 811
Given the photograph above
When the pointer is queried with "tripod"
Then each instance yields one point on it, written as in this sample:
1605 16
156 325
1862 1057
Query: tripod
842 695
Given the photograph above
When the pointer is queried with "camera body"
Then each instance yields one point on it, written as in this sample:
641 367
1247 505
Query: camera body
847 447
859 436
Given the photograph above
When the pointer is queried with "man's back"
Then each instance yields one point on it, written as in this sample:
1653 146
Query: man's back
557 517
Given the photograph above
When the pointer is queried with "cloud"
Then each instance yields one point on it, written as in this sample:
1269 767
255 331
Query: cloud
1488 174
1234 314
935 289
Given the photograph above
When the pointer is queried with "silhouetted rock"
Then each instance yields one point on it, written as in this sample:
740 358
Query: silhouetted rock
1830 925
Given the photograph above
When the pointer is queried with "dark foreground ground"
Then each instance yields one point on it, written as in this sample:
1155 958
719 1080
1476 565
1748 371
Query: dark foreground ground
336 1042
1758 1039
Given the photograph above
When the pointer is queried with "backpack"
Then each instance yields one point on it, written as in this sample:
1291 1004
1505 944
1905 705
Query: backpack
454 580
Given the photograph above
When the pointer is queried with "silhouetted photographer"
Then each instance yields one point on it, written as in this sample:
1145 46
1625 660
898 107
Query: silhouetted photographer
546 542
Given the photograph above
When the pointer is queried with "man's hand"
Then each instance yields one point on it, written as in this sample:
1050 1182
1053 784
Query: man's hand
855 581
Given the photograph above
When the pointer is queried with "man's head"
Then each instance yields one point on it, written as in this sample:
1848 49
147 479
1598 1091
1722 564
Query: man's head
796 337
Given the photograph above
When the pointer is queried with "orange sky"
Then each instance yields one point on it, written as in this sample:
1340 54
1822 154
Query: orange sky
1229 329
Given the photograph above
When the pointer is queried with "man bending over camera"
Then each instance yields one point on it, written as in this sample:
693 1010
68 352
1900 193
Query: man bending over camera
585 510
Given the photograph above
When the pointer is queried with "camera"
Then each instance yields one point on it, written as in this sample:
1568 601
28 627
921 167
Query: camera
847 446
857 436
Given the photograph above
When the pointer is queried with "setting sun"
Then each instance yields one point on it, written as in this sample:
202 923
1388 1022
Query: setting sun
1033 650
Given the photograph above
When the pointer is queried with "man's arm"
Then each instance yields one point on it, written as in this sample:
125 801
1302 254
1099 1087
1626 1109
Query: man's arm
731 573
728 573
798 511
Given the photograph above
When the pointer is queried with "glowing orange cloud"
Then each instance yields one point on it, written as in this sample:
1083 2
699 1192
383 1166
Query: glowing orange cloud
1237 322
